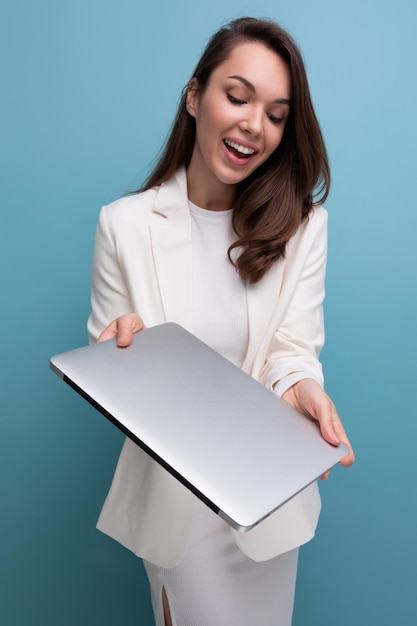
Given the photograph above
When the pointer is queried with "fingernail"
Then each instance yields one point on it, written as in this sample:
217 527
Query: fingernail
335 437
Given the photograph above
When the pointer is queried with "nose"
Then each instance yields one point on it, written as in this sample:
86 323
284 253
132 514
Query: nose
253 122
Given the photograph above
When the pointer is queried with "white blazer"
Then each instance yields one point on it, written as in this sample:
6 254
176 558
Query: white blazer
142 264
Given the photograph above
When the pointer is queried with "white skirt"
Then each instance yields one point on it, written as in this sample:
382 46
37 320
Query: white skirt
215 584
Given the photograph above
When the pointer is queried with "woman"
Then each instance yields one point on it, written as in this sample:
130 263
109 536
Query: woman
225 239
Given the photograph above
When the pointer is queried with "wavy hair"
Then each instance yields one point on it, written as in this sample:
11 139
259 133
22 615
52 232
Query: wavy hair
278 196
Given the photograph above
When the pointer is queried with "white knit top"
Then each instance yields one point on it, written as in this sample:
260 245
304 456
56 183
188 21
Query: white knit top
220 313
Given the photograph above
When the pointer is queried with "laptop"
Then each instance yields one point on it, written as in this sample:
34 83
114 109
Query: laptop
235 444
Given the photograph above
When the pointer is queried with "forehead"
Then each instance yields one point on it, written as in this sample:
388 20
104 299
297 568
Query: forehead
257 63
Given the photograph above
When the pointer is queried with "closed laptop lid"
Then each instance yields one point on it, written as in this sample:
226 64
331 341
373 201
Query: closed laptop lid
240 448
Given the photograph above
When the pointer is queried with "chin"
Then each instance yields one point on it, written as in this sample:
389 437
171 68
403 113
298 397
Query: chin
233 177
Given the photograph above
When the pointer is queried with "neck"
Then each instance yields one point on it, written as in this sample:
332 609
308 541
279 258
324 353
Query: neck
210 194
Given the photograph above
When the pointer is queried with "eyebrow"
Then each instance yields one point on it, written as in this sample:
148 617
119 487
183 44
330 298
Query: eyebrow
251 88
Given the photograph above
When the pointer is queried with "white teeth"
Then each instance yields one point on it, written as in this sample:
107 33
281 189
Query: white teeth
238 147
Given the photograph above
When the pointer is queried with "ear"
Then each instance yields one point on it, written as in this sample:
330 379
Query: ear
192 97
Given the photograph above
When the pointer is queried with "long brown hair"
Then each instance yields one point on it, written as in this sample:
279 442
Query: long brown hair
273 201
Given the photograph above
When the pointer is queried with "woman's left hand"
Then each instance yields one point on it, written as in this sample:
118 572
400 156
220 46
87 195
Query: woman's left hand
308 397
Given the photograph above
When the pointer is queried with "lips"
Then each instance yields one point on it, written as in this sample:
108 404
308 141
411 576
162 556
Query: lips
239 150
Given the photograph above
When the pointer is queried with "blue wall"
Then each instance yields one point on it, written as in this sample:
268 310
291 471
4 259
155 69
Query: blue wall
88 90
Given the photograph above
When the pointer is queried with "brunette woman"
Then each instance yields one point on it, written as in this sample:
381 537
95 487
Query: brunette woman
227 238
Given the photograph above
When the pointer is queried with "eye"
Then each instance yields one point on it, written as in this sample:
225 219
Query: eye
234 100
274 119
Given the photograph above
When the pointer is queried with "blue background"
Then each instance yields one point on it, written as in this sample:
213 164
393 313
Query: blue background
89 88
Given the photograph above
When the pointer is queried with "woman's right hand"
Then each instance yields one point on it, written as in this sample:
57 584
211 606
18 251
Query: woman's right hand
123 328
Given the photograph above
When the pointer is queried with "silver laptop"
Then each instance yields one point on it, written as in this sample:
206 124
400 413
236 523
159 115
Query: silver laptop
233 443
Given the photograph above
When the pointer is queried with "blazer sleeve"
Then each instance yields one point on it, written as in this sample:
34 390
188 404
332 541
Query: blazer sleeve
109 294
296 344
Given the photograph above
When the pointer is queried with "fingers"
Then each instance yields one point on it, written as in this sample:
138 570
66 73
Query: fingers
108 333
123 328
338 431
127 326
333 431
309 397
326 416
349 458
325 476
335 434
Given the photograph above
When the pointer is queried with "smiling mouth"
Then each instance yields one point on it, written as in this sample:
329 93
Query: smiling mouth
242 152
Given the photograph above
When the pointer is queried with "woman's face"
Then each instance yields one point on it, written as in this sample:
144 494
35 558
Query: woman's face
240 117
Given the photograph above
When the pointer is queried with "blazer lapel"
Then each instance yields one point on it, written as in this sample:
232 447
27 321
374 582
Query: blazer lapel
170 233
262 299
